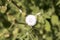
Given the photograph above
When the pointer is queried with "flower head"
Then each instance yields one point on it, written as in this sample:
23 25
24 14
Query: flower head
31 20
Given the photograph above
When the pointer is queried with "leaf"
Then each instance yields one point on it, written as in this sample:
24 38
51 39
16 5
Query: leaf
49 13
58 2
38 26
47 26
49 38
41 19
36 38
1 25
55 20
3 9
34 9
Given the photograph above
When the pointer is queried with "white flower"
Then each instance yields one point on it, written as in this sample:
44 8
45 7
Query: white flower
31 20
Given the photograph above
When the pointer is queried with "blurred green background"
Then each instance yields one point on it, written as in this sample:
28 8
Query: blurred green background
14 27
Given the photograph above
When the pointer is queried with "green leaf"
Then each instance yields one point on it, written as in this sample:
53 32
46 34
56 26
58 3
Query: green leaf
58 2
38 26
41 19
55 20
49 38
34 9
47 26
3 9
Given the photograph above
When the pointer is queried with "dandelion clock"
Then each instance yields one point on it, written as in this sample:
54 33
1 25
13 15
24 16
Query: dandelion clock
31 20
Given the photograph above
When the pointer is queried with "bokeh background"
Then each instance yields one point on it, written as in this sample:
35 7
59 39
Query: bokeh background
13 14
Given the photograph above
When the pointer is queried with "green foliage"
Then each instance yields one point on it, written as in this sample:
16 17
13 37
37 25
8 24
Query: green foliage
47 26
55 20
14 27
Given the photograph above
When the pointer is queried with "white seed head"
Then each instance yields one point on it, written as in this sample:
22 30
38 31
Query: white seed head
31 20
